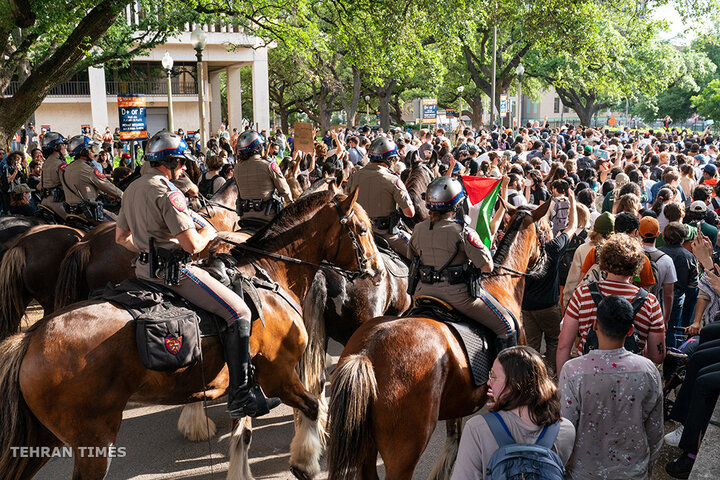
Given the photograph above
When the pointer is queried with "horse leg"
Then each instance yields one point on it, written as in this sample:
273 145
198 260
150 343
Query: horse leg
192 423
442 470
306 447
369 466
240 439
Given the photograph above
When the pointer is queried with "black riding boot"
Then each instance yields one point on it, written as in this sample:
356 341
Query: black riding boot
244 395
503 343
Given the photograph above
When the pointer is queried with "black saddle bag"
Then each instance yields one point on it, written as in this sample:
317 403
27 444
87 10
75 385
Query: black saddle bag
168 339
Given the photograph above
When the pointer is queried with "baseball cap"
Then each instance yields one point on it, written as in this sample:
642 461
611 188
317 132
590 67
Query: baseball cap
698 206
587 150
604 224
21 188
710 169
649 227
125 155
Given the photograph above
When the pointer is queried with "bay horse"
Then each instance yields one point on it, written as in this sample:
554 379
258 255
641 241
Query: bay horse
29 270
398 376
417 182
67 379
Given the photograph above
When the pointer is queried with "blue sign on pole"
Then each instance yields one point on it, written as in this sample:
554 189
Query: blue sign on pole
429 110
133 121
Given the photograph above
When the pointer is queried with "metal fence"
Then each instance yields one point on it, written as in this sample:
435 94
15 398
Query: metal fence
158 87
76 88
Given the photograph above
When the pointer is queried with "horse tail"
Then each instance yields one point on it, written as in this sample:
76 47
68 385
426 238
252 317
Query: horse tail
18 426
72 270
353 393
12 303
311 368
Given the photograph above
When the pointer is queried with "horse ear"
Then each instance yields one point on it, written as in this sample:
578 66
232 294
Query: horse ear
540 212
509 208
349 202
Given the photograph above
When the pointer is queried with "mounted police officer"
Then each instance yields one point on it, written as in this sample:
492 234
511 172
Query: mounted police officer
381 192
83 180
262 188
54 148
447 249
155 222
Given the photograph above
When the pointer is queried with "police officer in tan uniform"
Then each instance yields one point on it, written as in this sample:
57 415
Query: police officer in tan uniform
83 180
381 192
446 247
155 222
262 188
54 148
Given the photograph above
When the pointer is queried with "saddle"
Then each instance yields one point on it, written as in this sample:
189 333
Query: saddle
477 340
79 222
251 225
47 214
396 265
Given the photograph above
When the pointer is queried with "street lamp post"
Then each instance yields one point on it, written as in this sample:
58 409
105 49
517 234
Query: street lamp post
367 109
198 39
520 70
460 92
167 63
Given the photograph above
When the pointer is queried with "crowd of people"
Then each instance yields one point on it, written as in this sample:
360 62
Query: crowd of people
631 241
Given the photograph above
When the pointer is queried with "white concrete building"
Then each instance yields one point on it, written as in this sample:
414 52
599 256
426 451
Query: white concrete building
90 98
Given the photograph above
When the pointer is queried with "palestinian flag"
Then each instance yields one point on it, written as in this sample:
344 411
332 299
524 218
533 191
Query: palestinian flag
482 195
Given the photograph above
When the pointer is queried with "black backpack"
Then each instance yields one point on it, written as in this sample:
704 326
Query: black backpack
632 342
567 256
205 185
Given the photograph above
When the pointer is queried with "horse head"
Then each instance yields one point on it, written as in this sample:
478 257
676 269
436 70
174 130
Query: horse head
349 242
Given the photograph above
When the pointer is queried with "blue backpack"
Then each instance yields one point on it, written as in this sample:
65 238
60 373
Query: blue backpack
523 461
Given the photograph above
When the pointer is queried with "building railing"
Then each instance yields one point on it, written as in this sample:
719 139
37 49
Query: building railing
157 87
75 88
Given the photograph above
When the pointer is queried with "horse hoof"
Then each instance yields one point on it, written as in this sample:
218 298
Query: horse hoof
299 474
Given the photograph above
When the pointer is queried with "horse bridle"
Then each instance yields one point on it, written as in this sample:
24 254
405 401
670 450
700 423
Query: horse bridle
362 261
541 258
360 257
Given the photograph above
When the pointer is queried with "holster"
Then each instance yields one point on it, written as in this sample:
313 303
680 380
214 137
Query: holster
474 282
413 275
274 205
92 210
57 194
167 264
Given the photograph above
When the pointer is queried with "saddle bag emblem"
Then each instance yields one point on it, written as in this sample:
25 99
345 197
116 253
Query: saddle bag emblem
173 344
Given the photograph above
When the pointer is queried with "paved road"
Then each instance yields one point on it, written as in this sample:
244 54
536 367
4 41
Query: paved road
155 449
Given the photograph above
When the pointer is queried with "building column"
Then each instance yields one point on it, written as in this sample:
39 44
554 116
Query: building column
98 98
261 90
234 98
215 101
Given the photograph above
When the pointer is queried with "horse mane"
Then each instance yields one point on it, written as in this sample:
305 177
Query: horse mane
503 250
289 218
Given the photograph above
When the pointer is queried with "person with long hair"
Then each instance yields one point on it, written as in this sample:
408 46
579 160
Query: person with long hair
526 399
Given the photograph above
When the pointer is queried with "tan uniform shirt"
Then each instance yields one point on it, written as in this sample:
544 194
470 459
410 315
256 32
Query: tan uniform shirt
256 178
379 190
51 171
80 176
154 207
437 245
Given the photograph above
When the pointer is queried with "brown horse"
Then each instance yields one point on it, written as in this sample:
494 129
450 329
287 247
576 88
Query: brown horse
67 379
29 270
417 181
398 376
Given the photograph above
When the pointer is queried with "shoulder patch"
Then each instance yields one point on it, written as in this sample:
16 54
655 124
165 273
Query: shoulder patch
99 173
275 168
473 237
399 183
178 201
63 166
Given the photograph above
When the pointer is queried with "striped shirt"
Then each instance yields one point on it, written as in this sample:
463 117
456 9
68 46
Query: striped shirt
582 308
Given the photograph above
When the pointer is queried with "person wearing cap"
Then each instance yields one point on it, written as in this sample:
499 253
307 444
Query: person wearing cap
20 200
603 227
666 277
710 176
696 218
586 162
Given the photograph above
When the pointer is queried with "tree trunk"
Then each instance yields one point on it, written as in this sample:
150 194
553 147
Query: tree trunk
384 93
477 110
351 108
585 104
284 120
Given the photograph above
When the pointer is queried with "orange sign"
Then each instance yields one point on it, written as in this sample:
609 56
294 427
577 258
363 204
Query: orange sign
612 121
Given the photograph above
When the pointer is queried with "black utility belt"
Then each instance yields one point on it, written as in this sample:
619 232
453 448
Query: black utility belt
453 275
256 205
165 264
57 193
386 223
